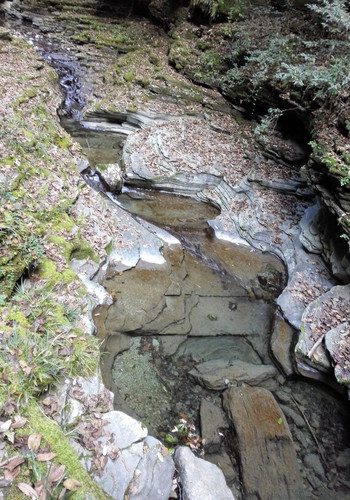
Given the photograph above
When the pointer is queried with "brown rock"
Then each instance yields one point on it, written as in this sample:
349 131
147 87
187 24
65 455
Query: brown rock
268 459
282 343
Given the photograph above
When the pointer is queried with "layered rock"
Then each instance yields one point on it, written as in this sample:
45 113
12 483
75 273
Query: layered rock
265 444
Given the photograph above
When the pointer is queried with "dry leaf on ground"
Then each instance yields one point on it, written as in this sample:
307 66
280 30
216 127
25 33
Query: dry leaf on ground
28 490
71 484
45 457
34 441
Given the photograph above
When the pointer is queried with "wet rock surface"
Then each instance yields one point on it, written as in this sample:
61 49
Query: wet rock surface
157 302
264 442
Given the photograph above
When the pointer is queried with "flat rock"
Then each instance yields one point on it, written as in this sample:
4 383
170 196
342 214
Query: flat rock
246 318
218 374
268 459
213 420
228 348
199 478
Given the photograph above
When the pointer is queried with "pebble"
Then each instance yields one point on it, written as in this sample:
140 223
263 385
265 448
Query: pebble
343 459
312 461
293 415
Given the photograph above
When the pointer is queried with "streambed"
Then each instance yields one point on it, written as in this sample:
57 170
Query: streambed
207 306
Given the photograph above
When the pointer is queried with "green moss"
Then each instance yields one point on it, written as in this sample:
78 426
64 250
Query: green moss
129 76
109 247
31 92
47 270
18 317
68 276
63 142
59 444
62 244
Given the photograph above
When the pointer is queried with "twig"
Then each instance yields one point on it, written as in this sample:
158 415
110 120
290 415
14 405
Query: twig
315 346
311 431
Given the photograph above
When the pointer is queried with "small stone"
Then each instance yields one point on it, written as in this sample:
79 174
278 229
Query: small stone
293 415
343 459
312 461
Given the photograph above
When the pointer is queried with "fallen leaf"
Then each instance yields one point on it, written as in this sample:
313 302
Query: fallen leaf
56 473
71 484
41 490
28 490
4 426
14 462
34 441
10 475
19 422
45 457
46 401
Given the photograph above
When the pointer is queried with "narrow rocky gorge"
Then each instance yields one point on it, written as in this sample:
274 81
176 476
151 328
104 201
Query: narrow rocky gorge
211 292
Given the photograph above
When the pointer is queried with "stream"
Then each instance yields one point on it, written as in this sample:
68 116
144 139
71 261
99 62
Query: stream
197 317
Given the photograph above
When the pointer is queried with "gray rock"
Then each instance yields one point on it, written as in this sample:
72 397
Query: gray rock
292 415
343 459
224 347
223 461
199 478
330 310
312 461
219 374
137 465
153 476
268 459
213 420
171 343
111 174
337 342
310 234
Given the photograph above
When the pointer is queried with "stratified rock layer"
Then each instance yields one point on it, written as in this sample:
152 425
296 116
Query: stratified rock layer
268 459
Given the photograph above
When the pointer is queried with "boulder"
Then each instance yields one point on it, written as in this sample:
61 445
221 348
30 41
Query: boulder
268 460
136 465
199 478
328 312
337 343
111 175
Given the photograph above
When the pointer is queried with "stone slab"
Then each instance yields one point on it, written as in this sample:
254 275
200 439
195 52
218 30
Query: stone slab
219 374
268 459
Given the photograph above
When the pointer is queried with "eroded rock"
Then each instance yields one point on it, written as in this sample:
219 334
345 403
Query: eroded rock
282 344
268 459
213 421
337 343
329 311
135 463
218 374
199 478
